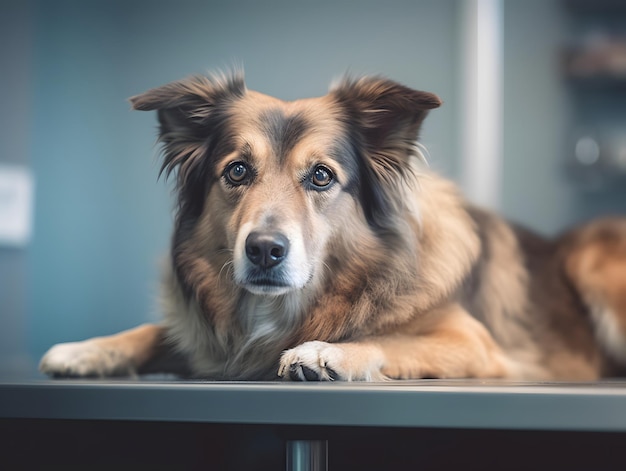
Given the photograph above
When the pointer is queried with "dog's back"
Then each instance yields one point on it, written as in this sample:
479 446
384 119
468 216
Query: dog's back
534 295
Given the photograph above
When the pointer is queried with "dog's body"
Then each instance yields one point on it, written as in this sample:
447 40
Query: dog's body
311 243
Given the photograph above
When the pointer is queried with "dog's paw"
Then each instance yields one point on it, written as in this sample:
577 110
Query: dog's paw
84 359
322 361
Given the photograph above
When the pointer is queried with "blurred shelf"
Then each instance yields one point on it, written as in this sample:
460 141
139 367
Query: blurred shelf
593 64
605 82
602 7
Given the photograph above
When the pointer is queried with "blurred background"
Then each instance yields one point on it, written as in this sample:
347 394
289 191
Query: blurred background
533 125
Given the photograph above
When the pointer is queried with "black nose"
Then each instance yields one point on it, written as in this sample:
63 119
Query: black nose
266 249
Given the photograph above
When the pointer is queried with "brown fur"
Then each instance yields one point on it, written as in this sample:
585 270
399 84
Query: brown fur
379 271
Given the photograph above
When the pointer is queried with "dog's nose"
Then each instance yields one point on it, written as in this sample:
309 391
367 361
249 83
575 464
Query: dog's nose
266 249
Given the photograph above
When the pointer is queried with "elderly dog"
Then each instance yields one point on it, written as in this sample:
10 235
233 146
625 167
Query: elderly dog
311 243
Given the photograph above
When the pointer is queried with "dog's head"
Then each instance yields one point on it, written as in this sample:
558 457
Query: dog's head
264 185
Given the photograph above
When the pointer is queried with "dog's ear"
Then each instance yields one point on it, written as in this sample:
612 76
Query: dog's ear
193 120
385 118
384 109
188 113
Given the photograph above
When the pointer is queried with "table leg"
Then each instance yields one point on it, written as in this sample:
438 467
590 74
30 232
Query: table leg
307 455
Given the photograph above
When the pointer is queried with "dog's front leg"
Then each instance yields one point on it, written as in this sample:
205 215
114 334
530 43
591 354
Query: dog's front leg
448 343
121 354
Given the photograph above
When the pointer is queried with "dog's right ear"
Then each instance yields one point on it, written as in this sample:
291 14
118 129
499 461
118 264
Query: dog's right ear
188 114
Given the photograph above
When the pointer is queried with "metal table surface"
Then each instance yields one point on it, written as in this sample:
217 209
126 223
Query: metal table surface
569 425
426 403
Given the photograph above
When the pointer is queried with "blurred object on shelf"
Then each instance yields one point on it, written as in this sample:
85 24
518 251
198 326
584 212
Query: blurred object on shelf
594 70
597 55
596 159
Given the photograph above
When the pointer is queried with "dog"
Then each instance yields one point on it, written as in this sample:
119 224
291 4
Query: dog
312 243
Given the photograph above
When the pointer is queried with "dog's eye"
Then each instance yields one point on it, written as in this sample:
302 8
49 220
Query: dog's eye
237 173
321 176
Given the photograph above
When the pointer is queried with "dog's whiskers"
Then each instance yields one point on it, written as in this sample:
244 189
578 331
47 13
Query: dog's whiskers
228 265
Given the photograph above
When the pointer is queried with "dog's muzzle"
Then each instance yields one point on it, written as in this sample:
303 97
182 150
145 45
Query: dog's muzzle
270 262
266 249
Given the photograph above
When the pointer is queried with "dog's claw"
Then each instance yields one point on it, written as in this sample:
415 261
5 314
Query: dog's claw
300 372
309 374
308 362
322 361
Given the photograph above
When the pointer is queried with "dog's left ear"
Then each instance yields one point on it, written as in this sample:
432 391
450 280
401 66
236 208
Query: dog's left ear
384 110
385 118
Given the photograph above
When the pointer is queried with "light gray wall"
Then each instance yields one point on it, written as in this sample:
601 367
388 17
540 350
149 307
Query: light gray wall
102 220
535 190
15 131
